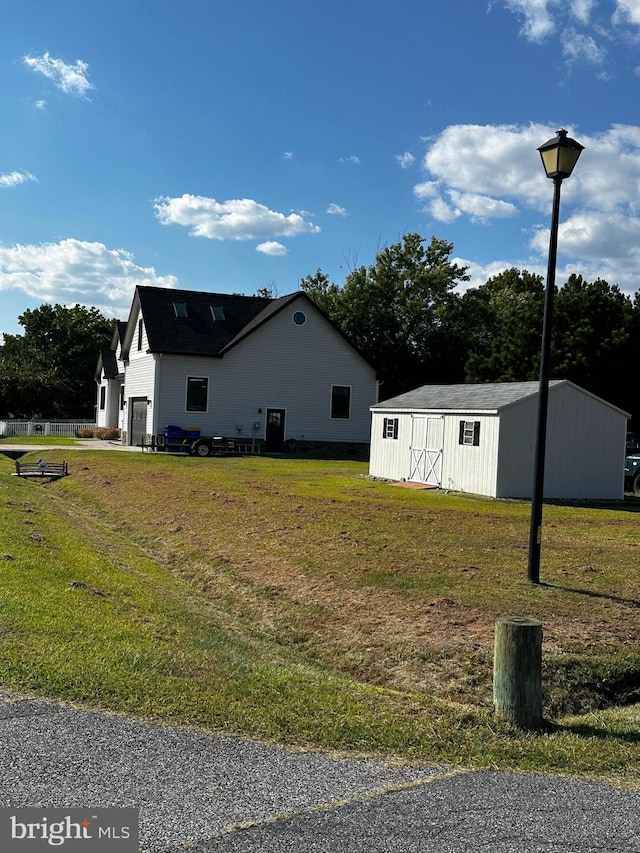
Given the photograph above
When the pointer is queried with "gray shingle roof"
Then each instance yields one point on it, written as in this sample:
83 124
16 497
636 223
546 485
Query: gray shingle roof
491 396
198 333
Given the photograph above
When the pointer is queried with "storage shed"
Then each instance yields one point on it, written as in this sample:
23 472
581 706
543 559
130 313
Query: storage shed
481 439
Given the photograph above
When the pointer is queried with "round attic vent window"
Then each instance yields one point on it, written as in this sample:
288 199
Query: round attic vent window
299 318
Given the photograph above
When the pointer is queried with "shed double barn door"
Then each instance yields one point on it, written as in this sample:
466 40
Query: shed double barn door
427 438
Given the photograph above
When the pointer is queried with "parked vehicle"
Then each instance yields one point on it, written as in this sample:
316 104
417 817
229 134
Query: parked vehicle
632 464
175 439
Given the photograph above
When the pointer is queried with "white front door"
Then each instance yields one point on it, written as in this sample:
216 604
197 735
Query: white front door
425 463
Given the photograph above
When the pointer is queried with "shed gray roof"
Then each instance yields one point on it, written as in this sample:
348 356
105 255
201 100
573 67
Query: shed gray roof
491 396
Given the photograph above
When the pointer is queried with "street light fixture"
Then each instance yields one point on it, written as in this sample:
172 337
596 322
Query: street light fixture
559 156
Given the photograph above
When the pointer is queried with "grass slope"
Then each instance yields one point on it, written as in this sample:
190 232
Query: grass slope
299 601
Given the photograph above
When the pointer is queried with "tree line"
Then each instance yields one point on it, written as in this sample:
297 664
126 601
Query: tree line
407 315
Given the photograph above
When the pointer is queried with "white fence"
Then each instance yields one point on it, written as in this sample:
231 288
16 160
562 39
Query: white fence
58 429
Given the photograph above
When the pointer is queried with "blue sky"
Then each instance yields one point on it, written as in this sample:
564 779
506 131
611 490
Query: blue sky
228 146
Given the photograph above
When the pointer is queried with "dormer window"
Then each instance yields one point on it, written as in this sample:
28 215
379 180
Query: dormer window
181 310
217 312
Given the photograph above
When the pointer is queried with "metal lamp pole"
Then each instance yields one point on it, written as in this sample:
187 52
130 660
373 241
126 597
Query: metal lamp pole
559 156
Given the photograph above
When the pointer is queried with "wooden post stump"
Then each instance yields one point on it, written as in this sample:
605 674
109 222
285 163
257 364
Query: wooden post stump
517 671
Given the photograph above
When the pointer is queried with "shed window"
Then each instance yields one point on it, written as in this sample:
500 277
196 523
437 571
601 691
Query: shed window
181 310
390 428
197 393
469 433
341 401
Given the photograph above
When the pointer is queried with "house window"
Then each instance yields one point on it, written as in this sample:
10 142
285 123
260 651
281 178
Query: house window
103 397
180 309
299 318
469 433
341 401
140 334
217 312
390 428
121 397
197 393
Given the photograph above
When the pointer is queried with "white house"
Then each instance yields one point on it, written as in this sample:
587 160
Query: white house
481 439
110 380
238 366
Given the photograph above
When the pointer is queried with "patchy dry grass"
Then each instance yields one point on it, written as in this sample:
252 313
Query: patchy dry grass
396 587
388 596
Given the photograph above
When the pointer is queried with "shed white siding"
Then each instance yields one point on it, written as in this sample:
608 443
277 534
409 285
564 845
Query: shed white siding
467 468
584 446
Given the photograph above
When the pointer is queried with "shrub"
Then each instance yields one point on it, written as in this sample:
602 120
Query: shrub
107 433
85 432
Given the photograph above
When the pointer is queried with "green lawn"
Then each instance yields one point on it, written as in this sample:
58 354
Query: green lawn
301 602
40 440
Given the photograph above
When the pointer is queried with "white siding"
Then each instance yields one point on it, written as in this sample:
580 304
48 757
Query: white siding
389 458
139 382
518 424
280 366
584 448
101 414
466 468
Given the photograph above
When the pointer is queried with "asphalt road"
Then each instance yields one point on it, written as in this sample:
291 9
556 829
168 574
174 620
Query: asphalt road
199 791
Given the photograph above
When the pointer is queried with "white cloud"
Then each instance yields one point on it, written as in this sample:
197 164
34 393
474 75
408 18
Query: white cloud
271 247
464 158
426 190
236 219
581 10
72 79
537 21
590 235
13 179
579 47
405 160
73 271
40 104
462 165
352 159
600 224
288 155
627 10
336 210
481 207
580 26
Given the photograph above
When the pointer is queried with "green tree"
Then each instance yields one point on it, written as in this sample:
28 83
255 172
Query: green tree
398 312
595 338
49 370
324 293
508 312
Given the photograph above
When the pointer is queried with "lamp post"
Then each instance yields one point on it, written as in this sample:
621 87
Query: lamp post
559 156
